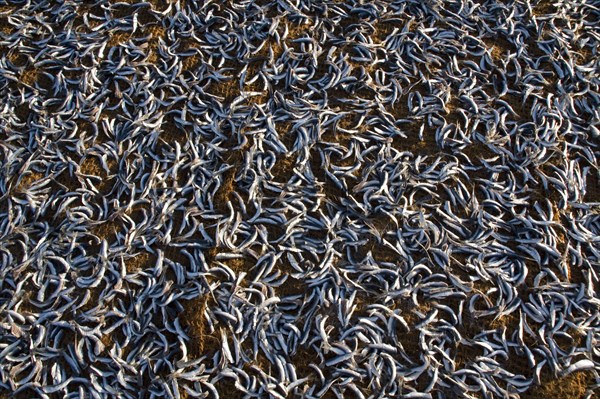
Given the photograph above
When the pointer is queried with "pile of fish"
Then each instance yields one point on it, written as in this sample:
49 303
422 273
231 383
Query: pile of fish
295 198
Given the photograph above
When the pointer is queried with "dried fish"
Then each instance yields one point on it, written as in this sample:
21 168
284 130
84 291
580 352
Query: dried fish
393 199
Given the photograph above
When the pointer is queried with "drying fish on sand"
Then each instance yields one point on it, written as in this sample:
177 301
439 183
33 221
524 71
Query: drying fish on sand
372 199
